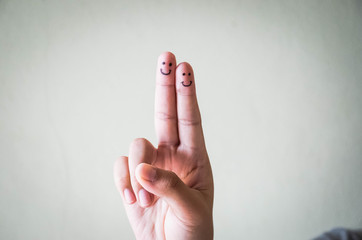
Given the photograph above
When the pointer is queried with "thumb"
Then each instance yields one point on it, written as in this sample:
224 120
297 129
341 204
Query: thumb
166 185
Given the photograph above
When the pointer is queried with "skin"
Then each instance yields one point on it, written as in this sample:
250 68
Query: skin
168 191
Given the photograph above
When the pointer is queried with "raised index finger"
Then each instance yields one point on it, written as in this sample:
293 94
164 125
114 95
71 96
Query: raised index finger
165 100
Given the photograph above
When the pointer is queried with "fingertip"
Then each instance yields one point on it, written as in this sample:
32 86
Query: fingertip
166 61
166 54
184 65
128 196
122 180
145 172
185 80
166 65
145 198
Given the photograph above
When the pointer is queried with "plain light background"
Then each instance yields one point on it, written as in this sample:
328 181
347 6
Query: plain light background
279 86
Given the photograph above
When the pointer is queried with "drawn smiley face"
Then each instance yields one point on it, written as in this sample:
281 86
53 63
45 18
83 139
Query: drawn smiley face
186 82
169 71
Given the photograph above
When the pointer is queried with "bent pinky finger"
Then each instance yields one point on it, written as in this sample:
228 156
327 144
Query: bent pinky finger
122 180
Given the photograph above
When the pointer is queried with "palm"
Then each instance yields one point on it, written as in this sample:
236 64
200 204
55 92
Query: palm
171 226
182 151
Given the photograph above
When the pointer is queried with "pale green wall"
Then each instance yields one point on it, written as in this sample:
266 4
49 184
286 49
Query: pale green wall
280 91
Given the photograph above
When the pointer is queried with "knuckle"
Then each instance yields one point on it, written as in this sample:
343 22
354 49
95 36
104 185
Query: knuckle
169 144
138 143
122 159
121 162
123 181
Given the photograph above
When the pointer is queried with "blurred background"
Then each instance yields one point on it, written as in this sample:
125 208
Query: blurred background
280 91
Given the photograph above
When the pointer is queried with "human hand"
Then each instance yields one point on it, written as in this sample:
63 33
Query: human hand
168 192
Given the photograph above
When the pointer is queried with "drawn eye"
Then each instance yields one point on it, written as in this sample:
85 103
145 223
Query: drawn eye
170 64
183 74
163 63
189 74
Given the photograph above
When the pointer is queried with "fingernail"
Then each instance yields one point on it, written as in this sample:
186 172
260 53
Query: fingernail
144 197
149 173
129 196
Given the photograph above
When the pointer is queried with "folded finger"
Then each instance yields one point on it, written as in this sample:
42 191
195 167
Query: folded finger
122 180
141 151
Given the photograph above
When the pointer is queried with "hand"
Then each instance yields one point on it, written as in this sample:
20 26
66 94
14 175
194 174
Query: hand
168 192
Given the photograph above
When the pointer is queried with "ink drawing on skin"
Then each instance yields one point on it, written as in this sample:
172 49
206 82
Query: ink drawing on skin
185 83
170 64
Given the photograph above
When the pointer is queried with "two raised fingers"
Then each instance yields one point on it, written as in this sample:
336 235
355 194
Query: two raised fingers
177 122
177 115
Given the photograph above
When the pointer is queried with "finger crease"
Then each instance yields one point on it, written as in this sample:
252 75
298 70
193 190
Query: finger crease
164 116
168 144
188 122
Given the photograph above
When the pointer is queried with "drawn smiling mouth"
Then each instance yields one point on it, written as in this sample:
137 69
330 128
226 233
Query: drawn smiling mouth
185 85
165 73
